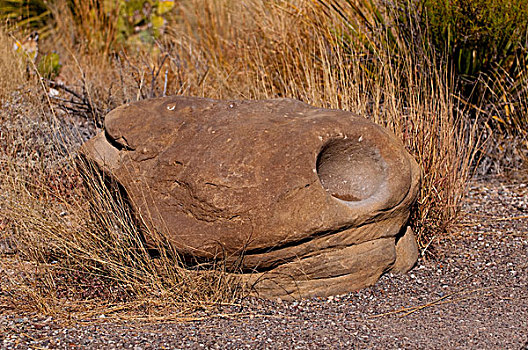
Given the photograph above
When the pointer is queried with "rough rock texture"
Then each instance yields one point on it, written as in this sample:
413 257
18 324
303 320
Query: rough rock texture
315 199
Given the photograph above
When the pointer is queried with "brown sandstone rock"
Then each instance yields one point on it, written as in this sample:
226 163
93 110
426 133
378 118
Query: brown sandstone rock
309 201
406 252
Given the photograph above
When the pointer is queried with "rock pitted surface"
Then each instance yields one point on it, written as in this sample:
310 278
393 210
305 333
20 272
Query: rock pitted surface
304 201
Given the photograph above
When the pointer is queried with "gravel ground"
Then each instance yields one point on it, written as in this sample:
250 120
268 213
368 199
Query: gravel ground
473 296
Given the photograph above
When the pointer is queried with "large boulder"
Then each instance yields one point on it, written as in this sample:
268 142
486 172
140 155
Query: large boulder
303 201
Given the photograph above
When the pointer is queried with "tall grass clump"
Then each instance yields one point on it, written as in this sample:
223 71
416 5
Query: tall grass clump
339 55
69 225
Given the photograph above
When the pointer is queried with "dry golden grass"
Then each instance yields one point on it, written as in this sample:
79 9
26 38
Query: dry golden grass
85 248
79 247
12 68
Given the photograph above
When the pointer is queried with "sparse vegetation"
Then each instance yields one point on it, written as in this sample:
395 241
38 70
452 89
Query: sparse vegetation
407 72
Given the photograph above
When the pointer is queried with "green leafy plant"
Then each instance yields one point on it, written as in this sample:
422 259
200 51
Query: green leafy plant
486 42
49 65
142 20
479 35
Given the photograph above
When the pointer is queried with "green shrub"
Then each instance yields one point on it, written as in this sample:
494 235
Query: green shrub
486 42
479 35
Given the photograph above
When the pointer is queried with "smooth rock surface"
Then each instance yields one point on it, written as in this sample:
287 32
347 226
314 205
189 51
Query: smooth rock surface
406 252
305 201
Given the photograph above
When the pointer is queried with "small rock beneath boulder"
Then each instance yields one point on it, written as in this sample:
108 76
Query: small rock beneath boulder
406 252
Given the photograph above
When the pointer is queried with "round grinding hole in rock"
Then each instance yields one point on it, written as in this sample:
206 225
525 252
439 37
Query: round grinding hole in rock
351 170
